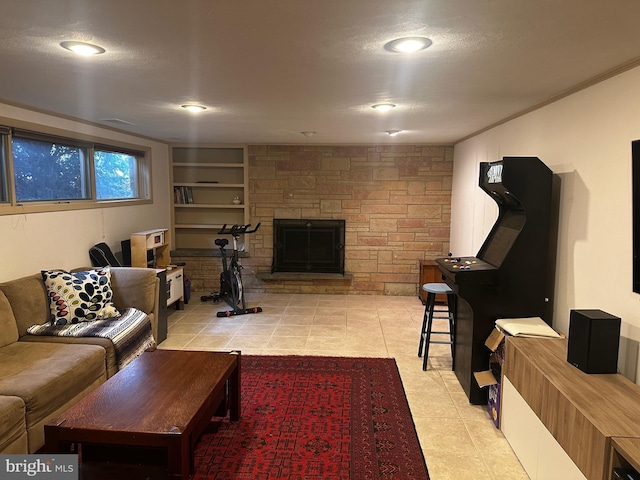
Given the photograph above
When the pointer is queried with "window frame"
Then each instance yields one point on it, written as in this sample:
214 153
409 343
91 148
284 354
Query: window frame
5 186
93 142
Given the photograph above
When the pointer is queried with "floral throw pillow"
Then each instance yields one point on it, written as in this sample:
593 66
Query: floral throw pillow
79 296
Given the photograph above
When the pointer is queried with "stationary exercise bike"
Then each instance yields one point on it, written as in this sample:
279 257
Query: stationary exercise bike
231 290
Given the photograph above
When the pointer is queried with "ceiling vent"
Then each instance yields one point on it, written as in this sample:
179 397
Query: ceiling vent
116 121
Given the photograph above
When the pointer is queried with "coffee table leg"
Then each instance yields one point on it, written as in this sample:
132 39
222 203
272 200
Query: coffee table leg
179 459
234 391
52 442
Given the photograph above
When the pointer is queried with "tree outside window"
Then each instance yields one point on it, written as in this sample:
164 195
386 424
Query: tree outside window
116 175
46 170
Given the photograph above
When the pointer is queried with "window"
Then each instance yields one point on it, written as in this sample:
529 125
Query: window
116 174
42 172
49 170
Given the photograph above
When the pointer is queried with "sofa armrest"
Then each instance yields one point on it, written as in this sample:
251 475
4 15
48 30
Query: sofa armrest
134 287
138 288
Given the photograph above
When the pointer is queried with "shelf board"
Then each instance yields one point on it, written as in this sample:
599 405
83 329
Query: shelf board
201 252
203 226
209 165
209 185
197 225
207 205
150 232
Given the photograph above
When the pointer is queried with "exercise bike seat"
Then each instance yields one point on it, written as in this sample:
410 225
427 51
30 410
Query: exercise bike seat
222 242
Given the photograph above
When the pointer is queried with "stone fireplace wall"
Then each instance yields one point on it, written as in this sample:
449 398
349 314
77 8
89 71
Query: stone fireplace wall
396 201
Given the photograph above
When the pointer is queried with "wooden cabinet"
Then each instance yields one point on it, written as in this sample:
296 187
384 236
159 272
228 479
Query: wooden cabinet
175 287
625 456
595 419
541 456
151 248
210 188
430 273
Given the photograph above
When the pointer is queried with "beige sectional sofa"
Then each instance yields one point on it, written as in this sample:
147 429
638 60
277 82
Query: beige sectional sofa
40 377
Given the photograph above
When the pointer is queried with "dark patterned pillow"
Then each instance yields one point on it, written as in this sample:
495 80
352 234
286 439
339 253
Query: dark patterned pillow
79 296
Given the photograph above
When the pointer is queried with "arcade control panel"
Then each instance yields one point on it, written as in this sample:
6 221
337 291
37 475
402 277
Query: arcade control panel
467 270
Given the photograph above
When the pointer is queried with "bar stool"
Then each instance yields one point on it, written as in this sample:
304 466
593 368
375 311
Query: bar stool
431 314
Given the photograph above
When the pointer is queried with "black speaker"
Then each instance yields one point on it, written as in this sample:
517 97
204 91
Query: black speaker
126 252
594 337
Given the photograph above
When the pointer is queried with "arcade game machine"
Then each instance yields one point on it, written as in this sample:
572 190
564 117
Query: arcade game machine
512 274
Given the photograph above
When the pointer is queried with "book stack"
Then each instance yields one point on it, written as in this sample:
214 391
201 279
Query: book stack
182 195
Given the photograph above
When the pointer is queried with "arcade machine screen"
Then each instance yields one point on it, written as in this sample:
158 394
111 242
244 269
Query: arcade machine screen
502 239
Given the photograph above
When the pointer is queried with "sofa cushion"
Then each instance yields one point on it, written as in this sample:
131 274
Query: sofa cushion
28 299
13 427
79 296
8 327
111 363
46 376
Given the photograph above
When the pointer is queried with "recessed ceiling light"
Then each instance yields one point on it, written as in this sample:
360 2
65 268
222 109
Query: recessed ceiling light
308 133
82 48
383 107
393 133
407 44
194 108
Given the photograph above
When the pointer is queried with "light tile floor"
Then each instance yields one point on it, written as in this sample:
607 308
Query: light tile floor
458 439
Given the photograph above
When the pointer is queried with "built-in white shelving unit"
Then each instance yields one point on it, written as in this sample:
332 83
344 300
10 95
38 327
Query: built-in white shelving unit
206 179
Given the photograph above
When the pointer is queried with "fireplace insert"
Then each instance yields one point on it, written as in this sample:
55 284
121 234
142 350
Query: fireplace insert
312 246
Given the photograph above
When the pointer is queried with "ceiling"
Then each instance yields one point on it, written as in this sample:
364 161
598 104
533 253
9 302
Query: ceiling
270 69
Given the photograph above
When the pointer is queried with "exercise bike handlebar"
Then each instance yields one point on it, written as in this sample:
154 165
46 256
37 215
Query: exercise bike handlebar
238 229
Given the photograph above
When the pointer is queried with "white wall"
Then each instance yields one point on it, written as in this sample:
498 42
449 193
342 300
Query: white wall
586 140
31 242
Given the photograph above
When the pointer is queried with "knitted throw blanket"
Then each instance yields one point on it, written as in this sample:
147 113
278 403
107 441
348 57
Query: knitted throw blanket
130 333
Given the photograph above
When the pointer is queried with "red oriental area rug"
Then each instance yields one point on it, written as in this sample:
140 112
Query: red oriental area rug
315 418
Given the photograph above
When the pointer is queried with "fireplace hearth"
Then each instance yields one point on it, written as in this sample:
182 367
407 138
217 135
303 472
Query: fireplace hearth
306 245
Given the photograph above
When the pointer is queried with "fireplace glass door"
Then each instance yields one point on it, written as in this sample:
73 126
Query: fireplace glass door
312 246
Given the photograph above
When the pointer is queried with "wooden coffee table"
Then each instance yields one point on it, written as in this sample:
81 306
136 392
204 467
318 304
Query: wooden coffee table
156 407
